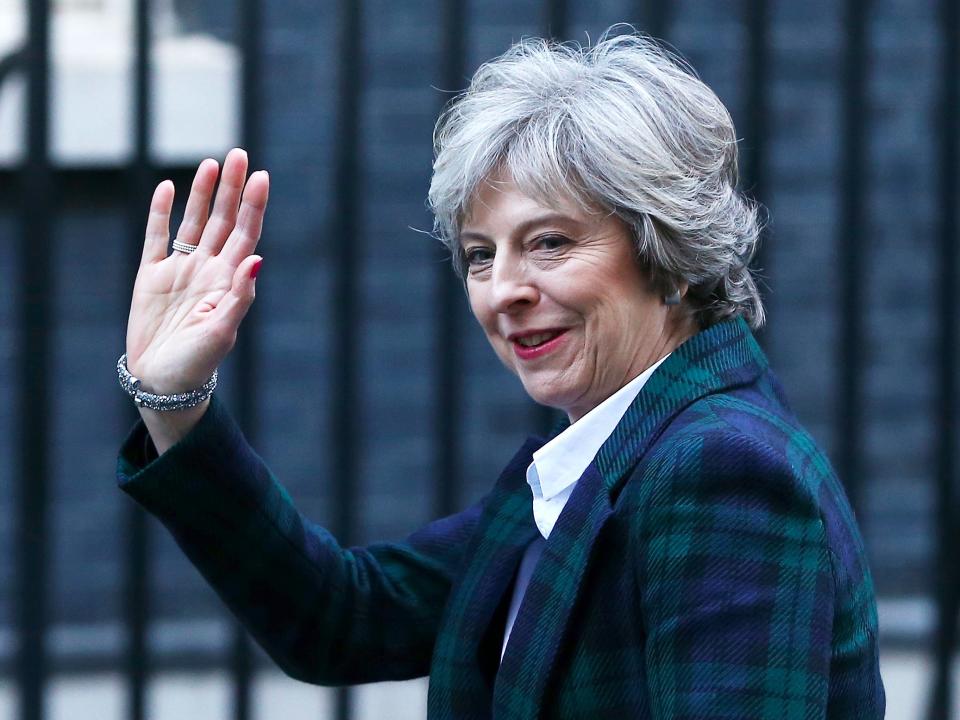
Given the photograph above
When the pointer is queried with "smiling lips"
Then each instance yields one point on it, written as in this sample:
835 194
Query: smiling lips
530 345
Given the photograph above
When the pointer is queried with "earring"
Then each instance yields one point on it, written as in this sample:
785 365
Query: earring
672 299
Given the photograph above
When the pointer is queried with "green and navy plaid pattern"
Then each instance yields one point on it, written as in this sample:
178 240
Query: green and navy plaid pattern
707 566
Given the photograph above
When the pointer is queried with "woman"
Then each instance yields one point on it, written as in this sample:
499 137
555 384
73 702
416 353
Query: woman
681 550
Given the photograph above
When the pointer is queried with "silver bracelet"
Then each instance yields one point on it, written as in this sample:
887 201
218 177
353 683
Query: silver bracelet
162 403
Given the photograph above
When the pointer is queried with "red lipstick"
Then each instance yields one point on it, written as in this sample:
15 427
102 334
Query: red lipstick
531 352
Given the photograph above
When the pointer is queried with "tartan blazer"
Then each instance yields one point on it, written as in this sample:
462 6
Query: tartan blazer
707 565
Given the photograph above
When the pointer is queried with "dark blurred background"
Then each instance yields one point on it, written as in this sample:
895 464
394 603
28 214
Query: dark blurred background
360 376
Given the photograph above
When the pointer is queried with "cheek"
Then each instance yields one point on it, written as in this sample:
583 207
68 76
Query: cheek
485 318
476 306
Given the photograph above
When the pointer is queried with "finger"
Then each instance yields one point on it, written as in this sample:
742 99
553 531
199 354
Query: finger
228 199
243 240
158 224
234 306
198 204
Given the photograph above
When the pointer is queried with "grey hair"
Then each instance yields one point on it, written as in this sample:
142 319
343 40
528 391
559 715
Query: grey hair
620 127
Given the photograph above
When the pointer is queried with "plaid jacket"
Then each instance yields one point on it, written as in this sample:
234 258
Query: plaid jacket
707 565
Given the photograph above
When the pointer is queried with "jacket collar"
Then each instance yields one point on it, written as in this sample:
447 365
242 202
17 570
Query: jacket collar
560 463
721 357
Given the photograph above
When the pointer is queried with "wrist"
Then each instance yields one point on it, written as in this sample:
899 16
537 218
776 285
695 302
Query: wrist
177 401
159 382
167 428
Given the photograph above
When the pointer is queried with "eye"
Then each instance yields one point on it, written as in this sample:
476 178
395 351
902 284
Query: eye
551 241
478 255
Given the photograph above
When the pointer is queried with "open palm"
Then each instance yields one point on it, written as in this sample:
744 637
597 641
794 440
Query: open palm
186 308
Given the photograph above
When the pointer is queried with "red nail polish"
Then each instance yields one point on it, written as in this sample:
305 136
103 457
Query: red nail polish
256 269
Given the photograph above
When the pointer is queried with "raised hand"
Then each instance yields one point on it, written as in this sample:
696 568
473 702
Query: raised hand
186 308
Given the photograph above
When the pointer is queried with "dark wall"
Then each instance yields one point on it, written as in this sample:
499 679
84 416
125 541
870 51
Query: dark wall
398 349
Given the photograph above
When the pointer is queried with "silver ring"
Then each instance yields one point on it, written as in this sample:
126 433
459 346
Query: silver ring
183 247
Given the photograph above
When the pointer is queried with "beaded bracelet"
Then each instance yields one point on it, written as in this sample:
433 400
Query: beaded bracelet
162 403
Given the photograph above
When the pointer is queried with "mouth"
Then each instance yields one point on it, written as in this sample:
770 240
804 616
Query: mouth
536 343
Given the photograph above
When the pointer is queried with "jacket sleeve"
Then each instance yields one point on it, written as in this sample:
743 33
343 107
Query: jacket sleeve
325 614
736 582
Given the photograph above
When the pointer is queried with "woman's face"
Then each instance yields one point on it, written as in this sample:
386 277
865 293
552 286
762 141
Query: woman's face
561 298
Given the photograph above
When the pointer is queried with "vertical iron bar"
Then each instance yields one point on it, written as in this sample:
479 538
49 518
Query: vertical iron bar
753 156
756 132
135 611
449 300
655 17
136 596
557 20
35 251
947 584
345 228
246 349
850 239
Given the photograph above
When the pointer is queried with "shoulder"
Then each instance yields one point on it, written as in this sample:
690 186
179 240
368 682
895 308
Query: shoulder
734 462
718 495
736 434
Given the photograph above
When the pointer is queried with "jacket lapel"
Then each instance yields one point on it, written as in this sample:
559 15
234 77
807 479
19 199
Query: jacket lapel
721 357
549 599
465 657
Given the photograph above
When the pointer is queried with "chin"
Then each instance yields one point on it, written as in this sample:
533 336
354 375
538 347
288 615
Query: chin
549 398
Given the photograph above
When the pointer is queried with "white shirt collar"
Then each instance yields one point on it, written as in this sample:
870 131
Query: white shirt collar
558 465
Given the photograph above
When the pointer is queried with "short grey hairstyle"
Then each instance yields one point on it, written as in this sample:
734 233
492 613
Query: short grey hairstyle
623 127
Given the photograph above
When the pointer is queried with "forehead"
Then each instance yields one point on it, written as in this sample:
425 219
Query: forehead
500 202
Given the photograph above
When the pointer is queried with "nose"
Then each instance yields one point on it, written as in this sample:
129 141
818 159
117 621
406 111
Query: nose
512 289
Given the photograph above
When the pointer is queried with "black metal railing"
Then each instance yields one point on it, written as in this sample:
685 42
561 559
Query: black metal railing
850 233
947 590
33 402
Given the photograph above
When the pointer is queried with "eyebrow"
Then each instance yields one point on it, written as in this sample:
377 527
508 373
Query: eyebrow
525 227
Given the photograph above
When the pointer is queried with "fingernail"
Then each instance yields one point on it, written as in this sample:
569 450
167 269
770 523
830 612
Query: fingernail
255 269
